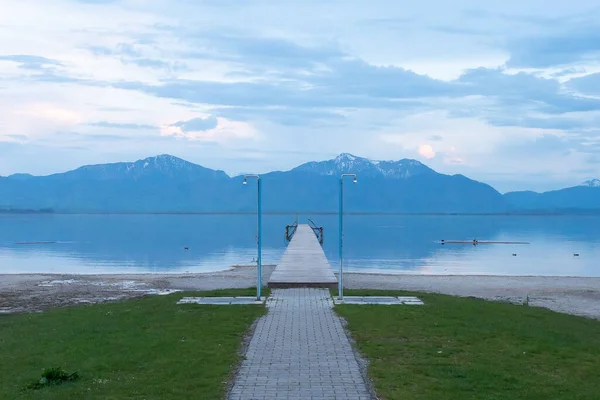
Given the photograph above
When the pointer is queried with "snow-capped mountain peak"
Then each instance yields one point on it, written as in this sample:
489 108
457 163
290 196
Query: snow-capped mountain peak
345 157
591 183
348 163
163 165
163 162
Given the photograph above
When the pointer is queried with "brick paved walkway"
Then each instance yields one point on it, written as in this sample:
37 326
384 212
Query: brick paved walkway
299 350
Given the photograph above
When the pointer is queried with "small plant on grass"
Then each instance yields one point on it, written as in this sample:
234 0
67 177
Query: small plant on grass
53 376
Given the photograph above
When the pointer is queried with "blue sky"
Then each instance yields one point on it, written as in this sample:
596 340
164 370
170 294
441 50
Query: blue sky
505 92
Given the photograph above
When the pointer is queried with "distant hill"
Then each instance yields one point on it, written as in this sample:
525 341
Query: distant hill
166 183
383 186
23 211
585 197
163 167
161 183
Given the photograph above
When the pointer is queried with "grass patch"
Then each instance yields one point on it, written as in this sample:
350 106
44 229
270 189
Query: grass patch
148 348
464 348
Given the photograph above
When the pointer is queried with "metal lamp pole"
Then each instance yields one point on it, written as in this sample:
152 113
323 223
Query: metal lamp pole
259 260
341 235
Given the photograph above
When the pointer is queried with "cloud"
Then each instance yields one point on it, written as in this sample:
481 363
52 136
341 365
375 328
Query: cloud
138 54
15 138
544 144
589 84
20 137
151 63
70 136
357 77
334 79
345 83
573 46
30 62
426 151
286 116
255 50
327 77
210 129
594 159
52 113
255 94
197 124
288 77
121 49
466 136
452 157
568 71
272 71
322 97
97 1
116 125
524 90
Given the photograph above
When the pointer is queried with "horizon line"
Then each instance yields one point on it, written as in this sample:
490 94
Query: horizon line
573 212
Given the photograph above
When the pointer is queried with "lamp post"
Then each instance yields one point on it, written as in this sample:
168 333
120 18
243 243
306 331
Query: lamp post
259 259
341 233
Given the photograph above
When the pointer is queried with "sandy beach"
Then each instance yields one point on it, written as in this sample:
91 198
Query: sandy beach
39 292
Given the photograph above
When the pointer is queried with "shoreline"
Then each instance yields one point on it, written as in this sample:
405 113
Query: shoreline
28 292
234 267
544 213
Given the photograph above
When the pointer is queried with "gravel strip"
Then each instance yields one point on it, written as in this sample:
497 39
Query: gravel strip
37 292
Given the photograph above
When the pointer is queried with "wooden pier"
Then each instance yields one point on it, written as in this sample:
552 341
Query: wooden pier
303 264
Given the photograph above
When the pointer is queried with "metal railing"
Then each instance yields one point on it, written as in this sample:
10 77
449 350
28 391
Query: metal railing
289 231
318 231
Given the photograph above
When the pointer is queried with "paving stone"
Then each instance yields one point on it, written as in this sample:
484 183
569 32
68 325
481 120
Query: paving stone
299 350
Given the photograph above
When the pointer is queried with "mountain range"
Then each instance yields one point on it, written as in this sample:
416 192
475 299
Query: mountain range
166 183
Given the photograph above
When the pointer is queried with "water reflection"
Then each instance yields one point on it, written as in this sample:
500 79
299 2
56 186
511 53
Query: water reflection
391 244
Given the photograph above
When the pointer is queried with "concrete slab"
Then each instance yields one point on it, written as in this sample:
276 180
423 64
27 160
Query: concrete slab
413 303
367 300
221 300
411 300
383 300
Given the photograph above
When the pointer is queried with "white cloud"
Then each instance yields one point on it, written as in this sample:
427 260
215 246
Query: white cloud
51 114
470 136
452 157
224 132
426 151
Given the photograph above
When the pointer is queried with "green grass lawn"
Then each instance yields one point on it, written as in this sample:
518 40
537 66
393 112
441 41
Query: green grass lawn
148 348
464 348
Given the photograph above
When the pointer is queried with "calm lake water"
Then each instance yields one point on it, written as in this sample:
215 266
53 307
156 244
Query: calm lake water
372 243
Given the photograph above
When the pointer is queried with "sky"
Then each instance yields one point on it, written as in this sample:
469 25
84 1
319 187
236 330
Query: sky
506 92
